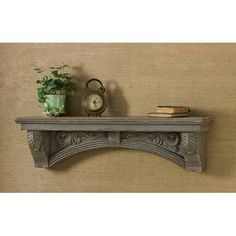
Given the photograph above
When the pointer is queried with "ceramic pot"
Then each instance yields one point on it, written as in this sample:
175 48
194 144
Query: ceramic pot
54 105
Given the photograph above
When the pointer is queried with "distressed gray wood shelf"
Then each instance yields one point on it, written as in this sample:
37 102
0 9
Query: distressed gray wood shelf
179 140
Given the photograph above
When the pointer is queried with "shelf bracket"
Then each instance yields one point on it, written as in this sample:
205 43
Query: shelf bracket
52 140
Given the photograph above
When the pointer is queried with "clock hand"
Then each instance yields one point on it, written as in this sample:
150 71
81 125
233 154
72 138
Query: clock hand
95 100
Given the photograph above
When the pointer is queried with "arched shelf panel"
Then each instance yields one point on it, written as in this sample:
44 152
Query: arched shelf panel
139 146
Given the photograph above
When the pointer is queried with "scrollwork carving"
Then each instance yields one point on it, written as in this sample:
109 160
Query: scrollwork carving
167 140
66 139
35 139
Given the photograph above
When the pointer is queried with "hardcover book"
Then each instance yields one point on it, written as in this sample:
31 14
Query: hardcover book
155 114
172 109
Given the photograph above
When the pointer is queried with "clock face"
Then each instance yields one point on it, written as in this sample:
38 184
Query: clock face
94 102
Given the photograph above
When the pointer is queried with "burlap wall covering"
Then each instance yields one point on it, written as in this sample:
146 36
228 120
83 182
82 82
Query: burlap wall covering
139 77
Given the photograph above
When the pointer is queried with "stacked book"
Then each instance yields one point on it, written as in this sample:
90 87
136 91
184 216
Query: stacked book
170 111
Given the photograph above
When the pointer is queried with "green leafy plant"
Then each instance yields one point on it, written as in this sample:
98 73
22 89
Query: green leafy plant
54 80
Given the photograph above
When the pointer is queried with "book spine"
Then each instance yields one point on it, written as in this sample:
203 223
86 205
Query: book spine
172 110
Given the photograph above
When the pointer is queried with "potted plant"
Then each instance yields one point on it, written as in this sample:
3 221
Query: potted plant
55 84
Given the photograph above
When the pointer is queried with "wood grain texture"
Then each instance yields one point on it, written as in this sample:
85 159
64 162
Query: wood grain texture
138 77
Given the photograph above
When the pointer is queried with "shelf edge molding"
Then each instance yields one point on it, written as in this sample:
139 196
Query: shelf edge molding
179 140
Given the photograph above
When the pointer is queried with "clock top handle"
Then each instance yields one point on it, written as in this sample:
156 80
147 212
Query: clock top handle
97 80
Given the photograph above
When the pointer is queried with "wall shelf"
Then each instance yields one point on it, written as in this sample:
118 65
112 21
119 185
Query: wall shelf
179 140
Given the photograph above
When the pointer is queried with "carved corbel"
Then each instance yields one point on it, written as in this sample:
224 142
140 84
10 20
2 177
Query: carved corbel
192 148
39 142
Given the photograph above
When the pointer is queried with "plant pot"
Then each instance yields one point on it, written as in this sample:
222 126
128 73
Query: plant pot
54 105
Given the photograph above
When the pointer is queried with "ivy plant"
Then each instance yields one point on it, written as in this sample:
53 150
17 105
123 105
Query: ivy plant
54 80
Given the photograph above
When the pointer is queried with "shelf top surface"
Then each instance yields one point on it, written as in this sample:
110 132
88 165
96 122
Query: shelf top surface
191 120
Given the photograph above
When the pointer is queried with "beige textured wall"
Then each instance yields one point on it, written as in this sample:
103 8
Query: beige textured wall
139 76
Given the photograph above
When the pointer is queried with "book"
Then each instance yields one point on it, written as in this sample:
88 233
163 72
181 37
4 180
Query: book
172 109
155 114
